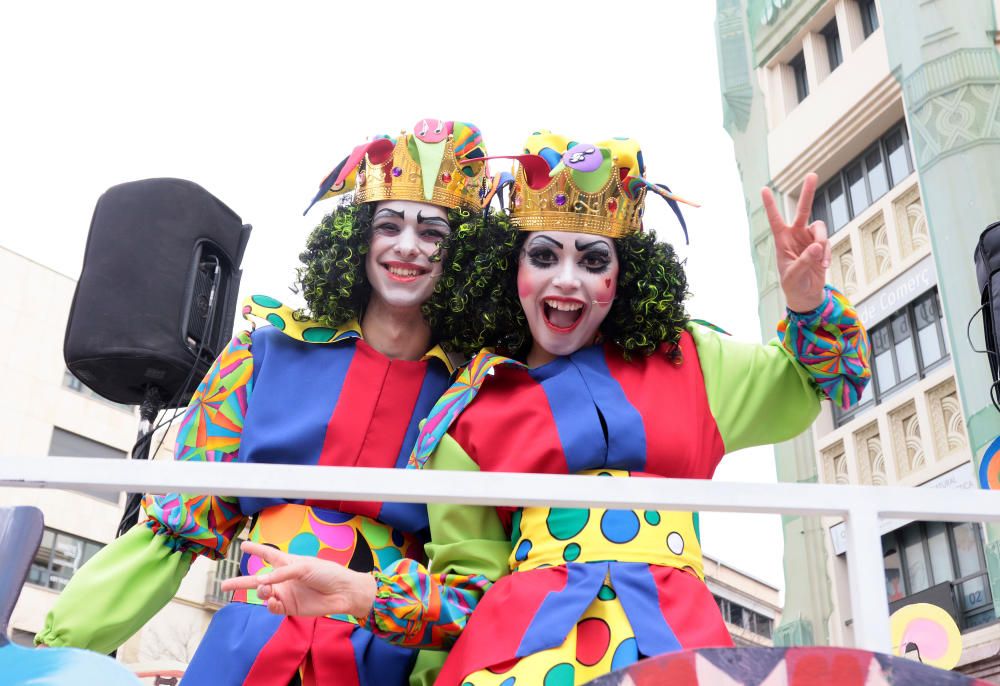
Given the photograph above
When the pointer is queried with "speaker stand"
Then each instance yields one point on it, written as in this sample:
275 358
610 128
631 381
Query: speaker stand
152 403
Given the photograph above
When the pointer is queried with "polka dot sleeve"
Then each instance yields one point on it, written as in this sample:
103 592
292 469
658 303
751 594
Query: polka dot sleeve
209 432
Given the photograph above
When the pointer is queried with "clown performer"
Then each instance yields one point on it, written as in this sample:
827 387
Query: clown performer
602 373
345 384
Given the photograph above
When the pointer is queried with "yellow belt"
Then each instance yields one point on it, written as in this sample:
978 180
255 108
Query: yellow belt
546 537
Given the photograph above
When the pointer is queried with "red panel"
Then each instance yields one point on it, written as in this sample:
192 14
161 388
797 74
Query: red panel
332 659
690 609
682 439
370 419
281 656
511 603
509 427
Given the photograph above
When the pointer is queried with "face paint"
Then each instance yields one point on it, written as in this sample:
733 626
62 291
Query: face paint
405 235
566 283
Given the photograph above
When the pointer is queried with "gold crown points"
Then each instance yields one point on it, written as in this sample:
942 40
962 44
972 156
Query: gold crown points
562 206
401 178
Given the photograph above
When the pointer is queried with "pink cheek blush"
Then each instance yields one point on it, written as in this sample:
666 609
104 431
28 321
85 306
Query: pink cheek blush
525 285
606 291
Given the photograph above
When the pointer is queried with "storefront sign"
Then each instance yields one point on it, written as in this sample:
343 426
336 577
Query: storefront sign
961 477
902 290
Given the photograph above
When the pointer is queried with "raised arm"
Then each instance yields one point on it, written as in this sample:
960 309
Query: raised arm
761 394
766 394
94 611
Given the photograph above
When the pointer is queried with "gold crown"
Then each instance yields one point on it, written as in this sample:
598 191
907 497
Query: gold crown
402 178
441 162
562 185
562 206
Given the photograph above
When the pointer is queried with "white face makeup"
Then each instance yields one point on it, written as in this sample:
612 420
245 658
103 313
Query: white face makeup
405 235
566 283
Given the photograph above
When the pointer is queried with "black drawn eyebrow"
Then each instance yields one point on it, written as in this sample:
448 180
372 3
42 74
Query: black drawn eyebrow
421 219
547 238
584 246
394 213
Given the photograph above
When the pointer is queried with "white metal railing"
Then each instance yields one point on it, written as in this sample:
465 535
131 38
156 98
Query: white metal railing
861 506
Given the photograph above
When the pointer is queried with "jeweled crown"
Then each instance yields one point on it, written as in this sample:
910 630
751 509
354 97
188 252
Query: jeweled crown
440 162
563 185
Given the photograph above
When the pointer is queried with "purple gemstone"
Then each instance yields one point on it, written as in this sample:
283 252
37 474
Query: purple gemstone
397 171
560 199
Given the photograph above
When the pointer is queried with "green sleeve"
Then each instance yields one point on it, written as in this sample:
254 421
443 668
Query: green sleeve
428 607
116 592
465 539
758 394
427 666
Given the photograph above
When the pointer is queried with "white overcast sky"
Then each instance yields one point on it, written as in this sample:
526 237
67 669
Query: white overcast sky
258 101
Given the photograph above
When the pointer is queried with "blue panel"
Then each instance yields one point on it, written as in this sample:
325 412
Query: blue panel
296 387
626 430
575 413
236 635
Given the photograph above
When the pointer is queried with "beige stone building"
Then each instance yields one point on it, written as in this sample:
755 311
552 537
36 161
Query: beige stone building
750 606
45 411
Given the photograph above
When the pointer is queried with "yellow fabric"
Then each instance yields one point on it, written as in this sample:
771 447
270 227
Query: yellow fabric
292 324
624 151
562 666
663 538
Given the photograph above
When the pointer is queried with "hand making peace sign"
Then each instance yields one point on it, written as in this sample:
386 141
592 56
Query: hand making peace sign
306 586
802 250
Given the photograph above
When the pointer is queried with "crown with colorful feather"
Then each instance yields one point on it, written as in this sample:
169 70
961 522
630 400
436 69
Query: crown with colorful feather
564 185
440 162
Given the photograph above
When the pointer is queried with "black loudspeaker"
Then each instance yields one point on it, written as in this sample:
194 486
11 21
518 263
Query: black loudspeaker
988 275
155 301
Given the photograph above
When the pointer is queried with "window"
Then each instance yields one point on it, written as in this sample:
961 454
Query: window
745 618
867 178
58 558
22 638
869 16
832 37
904 347
923 554
798 65
226 568
65 443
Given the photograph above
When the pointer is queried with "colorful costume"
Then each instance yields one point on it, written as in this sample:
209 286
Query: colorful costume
559 596
298 392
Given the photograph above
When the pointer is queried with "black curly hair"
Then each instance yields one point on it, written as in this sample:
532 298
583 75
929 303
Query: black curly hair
483 309
336 289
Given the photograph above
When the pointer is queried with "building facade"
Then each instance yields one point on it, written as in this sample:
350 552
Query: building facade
46 411
896 105
748 605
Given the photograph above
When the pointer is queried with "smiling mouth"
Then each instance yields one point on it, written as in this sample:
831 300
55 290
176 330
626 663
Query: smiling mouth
403 273
562 315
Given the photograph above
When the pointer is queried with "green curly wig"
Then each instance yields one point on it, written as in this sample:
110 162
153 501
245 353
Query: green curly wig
484 310
336 289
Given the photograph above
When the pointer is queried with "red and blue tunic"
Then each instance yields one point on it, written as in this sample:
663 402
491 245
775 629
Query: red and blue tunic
292 393
563 595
